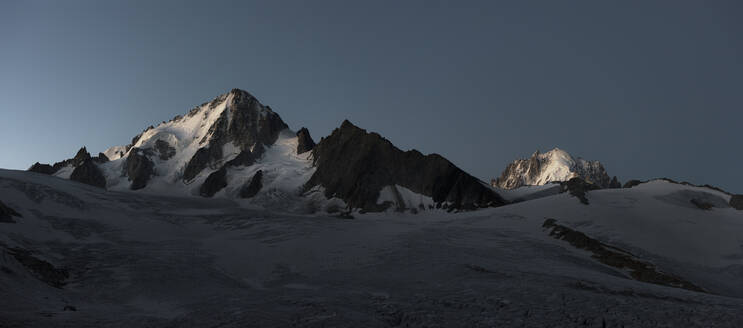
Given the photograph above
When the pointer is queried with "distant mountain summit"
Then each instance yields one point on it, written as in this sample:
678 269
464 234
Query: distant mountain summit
236 147
555 165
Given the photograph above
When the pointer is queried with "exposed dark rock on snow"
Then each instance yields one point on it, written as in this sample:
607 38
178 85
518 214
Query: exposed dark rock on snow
7 213
245 158
615 184
88 173
139 168
42 168
304 141
214 182
218 179
578 188
736 201
553 166
81 157
612 256
255 185
200 161
355 165
101 158
252 123
246 124
701 204
41 269
632 183
164 149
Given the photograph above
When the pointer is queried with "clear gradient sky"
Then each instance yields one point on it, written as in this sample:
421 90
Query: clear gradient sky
649 88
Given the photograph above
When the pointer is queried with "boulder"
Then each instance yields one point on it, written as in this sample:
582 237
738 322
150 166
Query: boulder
615 184
304 141
253 187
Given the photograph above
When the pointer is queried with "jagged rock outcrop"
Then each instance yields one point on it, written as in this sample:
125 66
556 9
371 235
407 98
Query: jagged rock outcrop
214 182
42 168
736 201
304 141
355 165
200 161
101 158
88 173
81 157
139 168
578 188
615 184
7 213
553 166
218 179
253 187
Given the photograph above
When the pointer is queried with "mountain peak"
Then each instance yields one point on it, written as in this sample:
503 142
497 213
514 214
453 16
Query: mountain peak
555 165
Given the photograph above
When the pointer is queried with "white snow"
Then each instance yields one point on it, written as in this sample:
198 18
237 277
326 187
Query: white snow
404 198
144 259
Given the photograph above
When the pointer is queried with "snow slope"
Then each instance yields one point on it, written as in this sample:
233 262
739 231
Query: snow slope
143 259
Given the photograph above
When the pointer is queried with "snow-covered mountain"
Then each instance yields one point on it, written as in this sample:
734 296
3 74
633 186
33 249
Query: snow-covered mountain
235 147
555 165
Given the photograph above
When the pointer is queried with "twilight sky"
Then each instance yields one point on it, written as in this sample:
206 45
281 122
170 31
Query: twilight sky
649 88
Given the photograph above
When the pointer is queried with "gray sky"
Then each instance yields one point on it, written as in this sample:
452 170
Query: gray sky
650 88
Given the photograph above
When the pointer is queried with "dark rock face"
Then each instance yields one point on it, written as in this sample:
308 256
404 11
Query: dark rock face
7 214
200 161
578 188
139 168
736 201
252 188
632 183
42 168
613 256
246 123
81 157
164 149
214 182
615 184
354 165
218 179
101 158
245 158
304 141
88 173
